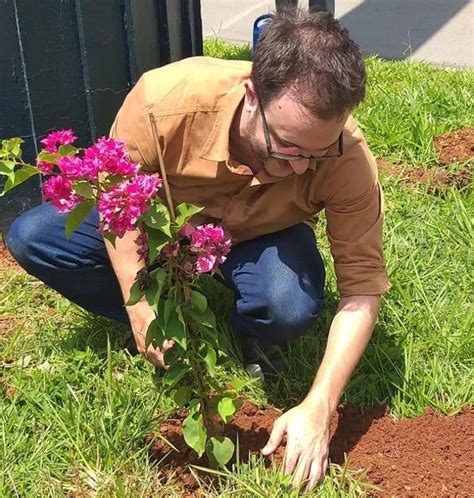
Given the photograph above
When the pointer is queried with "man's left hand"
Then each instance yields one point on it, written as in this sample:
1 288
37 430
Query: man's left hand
307 447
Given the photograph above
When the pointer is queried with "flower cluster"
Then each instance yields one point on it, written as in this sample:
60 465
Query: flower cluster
52 143
122 205
58 190
108 156
105 156
210 245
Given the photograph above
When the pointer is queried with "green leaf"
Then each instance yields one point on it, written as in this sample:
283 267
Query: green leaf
198 301
182 395
7 167
206 318
48 157
159 276
239 384
111 237
156 241
136 293
151 293
175 325
67 150
210 358
220 450
195 433
84 188
158 217
184 212
19 176
175 373
226 408
155 333
12 147
77 216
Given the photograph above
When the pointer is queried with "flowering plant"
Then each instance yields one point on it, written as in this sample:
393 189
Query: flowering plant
177 253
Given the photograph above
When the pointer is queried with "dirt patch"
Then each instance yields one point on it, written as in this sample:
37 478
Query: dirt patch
436 179
424 456
6 259
6 390
456 146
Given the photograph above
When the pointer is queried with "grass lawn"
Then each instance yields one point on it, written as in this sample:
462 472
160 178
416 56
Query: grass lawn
75 408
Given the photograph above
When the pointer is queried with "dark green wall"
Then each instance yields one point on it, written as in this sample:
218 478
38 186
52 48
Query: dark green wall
70 63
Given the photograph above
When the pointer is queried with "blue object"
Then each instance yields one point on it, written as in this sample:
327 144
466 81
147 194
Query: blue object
278 278
258 27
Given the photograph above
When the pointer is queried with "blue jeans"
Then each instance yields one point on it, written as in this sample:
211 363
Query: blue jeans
277 279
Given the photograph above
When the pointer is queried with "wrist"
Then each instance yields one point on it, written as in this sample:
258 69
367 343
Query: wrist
319 399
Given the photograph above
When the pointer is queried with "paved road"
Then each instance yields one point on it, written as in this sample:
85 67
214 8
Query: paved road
437 31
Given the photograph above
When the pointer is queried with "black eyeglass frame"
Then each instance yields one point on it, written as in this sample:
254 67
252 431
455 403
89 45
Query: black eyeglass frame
288 157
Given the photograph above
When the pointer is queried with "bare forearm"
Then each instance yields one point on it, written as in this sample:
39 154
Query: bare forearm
349 334
125 260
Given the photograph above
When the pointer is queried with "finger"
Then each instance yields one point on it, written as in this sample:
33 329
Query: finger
275 439
301 471
316 474
292 454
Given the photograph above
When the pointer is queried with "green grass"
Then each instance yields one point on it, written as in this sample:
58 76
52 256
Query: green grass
76 408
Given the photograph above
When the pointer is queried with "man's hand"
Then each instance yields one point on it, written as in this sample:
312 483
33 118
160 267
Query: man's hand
307 447
141 315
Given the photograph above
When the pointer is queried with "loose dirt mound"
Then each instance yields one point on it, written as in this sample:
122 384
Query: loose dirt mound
436 179
455 146
424 456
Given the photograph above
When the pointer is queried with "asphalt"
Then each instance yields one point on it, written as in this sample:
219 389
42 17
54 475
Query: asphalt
439 32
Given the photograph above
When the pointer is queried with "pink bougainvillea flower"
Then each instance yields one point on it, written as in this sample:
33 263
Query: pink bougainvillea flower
211 246
205 264
72 167
142 242
187 230
171 249
108 155
45 168
57 138
58 190
122 205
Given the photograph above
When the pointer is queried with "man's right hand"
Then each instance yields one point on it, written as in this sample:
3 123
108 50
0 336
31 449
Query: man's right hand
141 315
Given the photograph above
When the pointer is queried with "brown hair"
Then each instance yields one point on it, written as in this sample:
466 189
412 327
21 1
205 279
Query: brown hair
310 55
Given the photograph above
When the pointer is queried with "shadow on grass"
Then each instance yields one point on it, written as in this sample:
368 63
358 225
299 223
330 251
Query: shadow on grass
91 331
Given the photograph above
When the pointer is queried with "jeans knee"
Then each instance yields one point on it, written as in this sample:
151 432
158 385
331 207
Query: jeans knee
20 240
293 320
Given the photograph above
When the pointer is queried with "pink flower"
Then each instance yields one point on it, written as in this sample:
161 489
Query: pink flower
142 242
45 168
211 246
72 167
171 249
123 204
108 155
58 190
205 264
187 230
58 138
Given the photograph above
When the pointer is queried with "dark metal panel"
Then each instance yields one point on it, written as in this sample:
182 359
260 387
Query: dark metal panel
70 63
15 118
103 60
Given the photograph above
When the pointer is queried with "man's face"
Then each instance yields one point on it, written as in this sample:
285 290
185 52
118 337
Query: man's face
291 131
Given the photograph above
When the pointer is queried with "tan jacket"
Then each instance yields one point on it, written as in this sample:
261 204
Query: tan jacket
193 102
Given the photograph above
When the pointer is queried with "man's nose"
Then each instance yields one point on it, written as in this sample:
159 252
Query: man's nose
299 166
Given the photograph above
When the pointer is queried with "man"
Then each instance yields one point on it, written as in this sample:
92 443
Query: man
263 148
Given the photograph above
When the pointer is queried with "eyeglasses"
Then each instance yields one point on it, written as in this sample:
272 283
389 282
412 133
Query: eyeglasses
289 157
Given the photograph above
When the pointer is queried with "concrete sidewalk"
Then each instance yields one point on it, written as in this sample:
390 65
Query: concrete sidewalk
436 31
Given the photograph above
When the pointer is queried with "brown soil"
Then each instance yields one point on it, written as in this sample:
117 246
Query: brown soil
424 456
454 147
436 179
6 259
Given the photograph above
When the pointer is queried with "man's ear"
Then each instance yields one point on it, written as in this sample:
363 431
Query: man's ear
251 100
